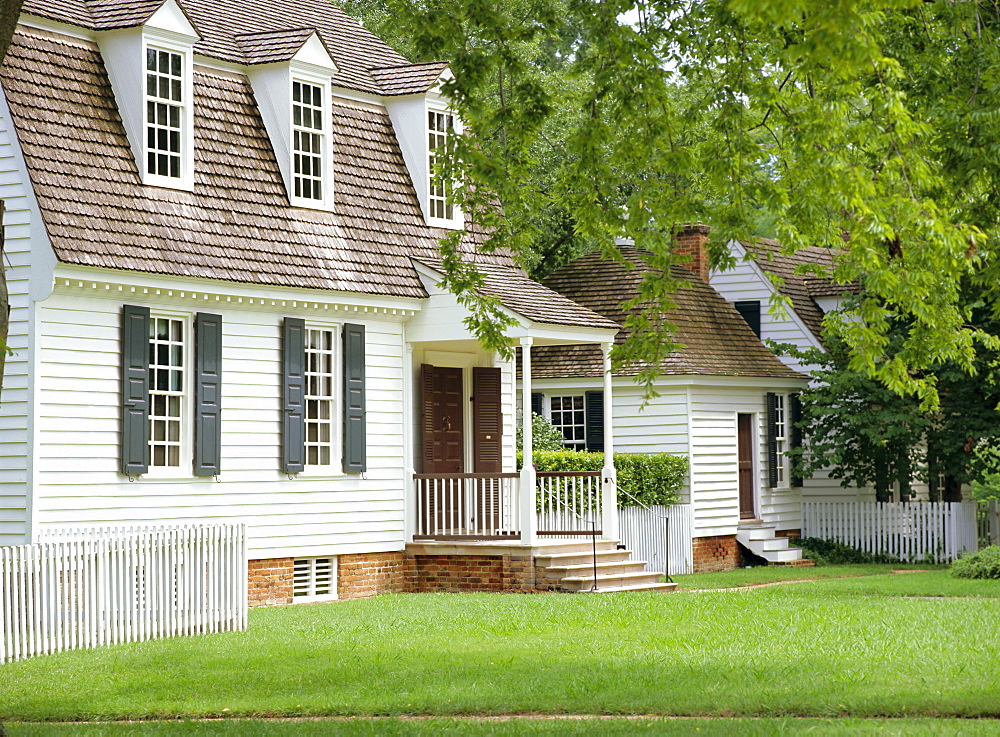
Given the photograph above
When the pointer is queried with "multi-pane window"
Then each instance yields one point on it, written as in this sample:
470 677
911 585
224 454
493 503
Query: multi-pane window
307 140
166 390
567 414
439 126
164 112
780 437
319 397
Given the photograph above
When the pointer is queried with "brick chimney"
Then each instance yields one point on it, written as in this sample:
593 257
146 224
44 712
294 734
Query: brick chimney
692 240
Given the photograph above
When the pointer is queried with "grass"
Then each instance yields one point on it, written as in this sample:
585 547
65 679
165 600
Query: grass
848 647
759 727
770 574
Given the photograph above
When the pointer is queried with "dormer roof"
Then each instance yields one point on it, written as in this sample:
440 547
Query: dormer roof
269 47
409 79
224 27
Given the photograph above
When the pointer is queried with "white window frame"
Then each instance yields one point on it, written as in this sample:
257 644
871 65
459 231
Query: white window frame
335 466
326 142
299 564
161 42
549 404
454 219
781 440
184 467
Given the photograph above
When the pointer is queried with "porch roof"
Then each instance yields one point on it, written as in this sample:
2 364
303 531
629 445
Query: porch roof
541 313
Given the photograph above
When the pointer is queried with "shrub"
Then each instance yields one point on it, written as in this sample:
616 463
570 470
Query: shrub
651 479
544 435
833 553
982 564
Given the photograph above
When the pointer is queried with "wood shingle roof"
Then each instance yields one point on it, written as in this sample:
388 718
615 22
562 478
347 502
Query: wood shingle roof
237 224
714 339
221 24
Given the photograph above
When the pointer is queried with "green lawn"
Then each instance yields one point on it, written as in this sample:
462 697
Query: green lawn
880 646
769 574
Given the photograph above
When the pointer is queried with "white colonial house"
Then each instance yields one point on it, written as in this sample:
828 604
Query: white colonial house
723 401
765 272
221 229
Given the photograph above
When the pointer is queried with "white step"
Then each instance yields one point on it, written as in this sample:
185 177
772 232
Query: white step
569 559
756 532
638 587
616 580
561 548
603 568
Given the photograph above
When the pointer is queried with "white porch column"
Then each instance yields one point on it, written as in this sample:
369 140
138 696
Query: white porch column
609 498
529 521
409 439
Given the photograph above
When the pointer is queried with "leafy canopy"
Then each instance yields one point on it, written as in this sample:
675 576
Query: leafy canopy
867 126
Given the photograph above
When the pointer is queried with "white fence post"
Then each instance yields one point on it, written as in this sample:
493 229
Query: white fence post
85 588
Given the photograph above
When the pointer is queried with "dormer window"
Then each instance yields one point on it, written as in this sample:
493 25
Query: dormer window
308 140
440 125
164 112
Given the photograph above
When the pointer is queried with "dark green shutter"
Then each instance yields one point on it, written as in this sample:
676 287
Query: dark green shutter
208 394
750 312
795 407
594 407
355 451
135 390
293 421
536 402
772 440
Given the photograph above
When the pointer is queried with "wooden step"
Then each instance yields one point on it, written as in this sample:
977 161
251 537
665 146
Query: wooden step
583 546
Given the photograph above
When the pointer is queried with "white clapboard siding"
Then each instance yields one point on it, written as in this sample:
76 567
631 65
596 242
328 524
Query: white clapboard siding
910 531
14 399
81 588
312 514
659 535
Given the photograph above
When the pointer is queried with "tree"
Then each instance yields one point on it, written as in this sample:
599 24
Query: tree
867 127
869 436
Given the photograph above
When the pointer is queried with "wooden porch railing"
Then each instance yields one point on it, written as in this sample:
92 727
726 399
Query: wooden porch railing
467 506
569 502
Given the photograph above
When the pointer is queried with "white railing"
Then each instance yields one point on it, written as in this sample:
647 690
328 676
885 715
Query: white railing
659 535
988 518
477 506
89 587
569 503
910 531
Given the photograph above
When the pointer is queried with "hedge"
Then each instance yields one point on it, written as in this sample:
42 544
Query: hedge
652 479
982 564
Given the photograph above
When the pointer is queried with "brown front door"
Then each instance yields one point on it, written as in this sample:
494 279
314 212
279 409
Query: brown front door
442 414
744 433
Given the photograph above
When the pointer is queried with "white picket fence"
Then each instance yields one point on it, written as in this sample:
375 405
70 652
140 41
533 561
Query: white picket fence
660 536
989 522
84 588
910 531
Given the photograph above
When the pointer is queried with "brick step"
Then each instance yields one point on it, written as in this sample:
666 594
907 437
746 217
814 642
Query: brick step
615 580
603 568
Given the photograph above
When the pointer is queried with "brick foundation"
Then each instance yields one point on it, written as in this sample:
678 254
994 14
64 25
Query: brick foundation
370 574
269 582
790 534
718 553
469 573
